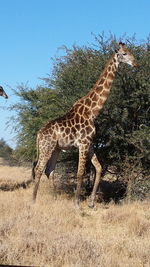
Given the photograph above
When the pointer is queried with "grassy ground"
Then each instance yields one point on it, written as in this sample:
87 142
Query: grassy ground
54 233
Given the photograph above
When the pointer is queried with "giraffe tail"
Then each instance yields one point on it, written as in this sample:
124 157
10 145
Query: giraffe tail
33 168
36 161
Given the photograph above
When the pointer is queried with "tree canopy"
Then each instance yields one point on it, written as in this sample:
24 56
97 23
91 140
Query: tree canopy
123 126
5 150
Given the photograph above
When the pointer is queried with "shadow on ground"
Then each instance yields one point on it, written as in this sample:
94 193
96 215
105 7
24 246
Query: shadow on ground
107 191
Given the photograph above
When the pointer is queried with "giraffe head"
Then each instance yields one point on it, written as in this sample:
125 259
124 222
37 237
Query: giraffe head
2 92
125 56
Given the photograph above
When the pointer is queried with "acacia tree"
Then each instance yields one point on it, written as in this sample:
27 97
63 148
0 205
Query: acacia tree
123 124
34 109
5 150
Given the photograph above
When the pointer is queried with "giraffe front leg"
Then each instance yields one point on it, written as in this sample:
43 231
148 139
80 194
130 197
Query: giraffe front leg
98 169
81 167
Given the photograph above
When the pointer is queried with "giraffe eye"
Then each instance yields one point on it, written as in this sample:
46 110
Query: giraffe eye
124 54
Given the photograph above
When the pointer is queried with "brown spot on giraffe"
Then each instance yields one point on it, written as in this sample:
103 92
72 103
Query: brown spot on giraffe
81 120
89 129
88 102
113 69
69 123
105 93
105 74
94 105
91 95
73 130
102 80
72 122
86 122
81 110
67 130
94 98
77 118
114 61
100 88
83 132
76 128
110 76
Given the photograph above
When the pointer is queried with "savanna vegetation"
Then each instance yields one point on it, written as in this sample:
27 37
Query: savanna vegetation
123 125
5 150
122 141
52 232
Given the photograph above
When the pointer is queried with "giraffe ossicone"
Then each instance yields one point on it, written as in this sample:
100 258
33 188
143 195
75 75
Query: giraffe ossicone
76 128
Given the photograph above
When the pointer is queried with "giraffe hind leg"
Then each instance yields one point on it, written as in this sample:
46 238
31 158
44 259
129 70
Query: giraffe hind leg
50 168
51 163
38 170
98 169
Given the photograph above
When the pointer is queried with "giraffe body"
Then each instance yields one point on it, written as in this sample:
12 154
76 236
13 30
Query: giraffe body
2 92
76 128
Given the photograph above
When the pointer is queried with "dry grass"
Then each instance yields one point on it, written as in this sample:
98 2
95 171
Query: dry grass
12 175
53 233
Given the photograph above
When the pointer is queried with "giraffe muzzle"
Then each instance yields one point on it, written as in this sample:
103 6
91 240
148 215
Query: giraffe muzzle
5 95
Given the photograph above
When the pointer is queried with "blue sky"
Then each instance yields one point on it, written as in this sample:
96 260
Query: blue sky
32 31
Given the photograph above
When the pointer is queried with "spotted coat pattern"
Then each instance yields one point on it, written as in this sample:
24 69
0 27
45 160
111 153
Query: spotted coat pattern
76 128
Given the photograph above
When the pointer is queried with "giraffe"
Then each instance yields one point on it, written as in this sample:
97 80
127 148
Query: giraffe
76 129
2 92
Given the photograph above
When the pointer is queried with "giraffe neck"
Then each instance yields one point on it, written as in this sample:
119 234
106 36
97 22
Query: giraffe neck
100 91
108 73
90 105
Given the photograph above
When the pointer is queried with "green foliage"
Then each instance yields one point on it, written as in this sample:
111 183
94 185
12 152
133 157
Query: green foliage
5 150
75 74
122 126
127 110
35 109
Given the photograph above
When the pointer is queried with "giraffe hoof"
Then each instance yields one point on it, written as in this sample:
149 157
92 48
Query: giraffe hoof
91 203
54 196
33 200
77 203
